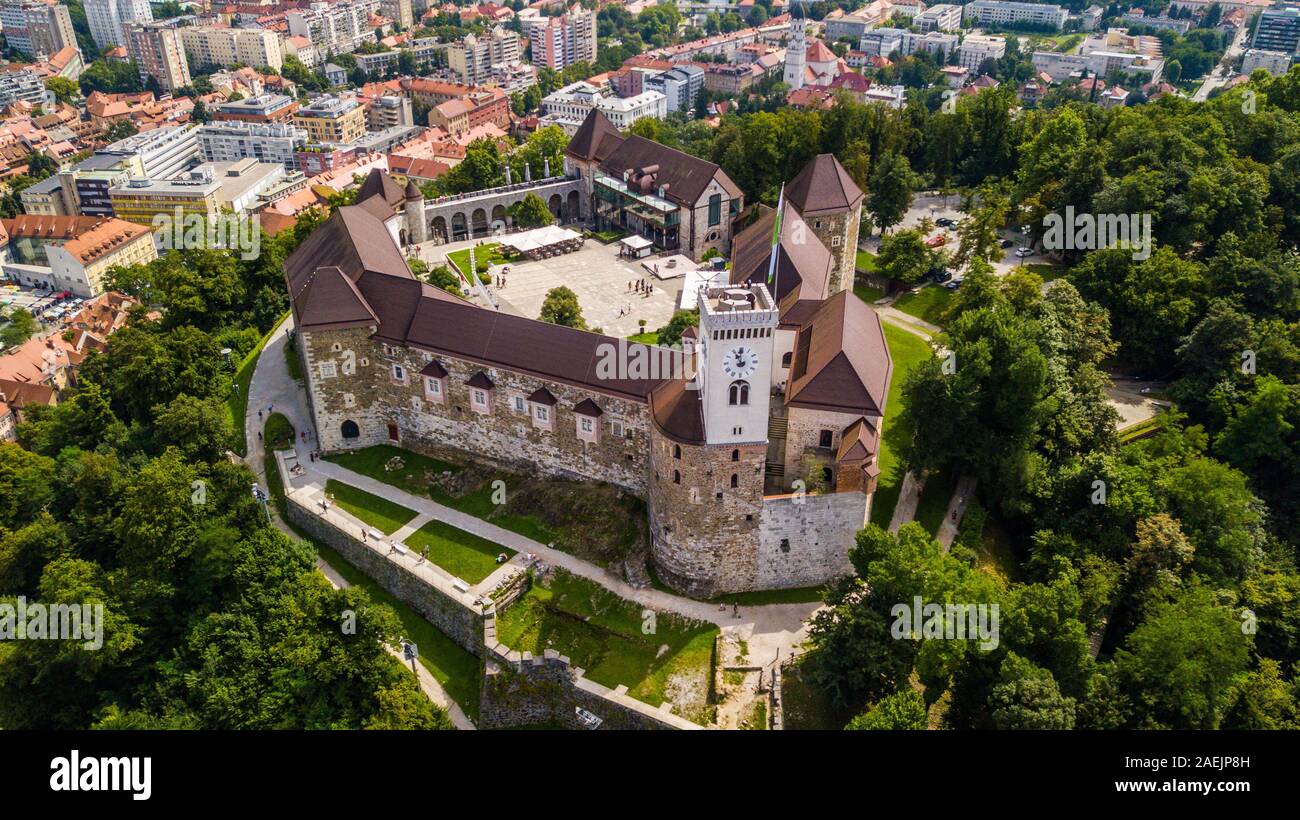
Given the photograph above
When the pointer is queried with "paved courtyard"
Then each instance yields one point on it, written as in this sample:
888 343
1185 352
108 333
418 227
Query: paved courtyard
600 279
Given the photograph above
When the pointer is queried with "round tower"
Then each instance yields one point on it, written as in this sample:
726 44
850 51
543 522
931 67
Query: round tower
417 229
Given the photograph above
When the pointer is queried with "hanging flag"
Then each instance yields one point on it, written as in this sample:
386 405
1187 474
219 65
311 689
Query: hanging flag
776 237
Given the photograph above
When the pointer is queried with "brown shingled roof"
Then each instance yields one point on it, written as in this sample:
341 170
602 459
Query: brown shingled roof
591 137
587 407
678 412
543 396
802 261
823 186
480 380
683 177
841 362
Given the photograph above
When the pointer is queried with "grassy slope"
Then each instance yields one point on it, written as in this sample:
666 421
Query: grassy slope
907 350
928 303
602 633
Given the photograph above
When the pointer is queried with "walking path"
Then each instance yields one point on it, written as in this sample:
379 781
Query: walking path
770 630
909 495
961 496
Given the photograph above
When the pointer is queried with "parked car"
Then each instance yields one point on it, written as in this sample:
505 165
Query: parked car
943 222
953 285
1023 252
1006 243
936 241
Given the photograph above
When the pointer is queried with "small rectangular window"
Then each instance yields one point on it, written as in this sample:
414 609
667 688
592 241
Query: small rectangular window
543 413
327 370
519 404
586 425
480 398
617 428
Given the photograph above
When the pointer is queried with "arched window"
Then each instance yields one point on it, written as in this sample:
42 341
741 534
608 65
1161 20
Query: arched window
785 359
738 393
677 451
735 480
735 455
349 429
677 477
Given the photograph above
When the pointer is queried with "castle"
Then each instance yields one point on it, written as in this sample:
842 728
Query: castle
611 181
757 460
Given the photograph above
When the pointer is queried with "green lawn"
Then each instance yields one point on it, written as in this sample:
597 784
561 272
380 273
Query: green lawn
651 338
277 433
484 255
593 521
380 513
865 261
463 554
603 634
1046 272
606 237
237 401
867 293
933 505
907 350
928 303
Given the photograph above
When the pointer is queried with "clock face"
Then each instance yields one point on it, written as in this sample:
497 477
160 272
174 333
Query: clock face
740 362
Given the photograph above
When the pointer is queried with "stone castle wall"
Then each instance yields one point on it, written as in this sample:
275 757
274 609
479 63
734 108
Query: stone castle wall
803 437
804 540
373 399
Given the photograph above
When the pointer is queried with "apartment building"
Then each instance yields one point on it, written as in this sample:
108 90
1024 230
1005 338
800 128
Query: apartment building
941 17
38 28
937 44
23 85
157 50
401 12
558 42
158 153
471 109
108 18
334 28
1278 29
474 58
680 86
1001 13
222 46
331 119
262 108
379 63
233 141
976 48
569 106
388 112
1276 63
881 42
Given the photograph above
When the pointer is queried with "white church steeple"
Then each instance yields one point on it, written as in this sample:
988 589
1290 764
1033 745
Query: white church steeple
796 47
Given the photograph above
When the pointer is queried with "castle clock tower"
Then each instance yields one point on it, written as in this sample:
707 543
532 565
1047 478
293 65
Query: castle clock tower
737 332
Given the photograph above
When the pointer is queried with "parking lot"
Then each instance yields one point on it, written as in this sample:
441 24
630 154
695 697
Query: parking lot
937 208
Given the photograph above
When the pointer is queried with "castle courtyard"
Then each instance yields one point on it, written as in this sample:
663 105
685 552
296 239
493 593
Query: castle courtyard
598 275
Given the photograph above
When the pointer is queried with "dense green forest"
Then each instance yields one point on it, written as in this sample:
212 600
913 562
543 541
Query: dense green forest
123 496
1179 549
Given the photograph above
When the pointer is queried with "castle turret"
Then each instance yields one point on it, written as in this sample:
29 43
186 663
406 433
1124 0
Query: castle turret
830 203
417 229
